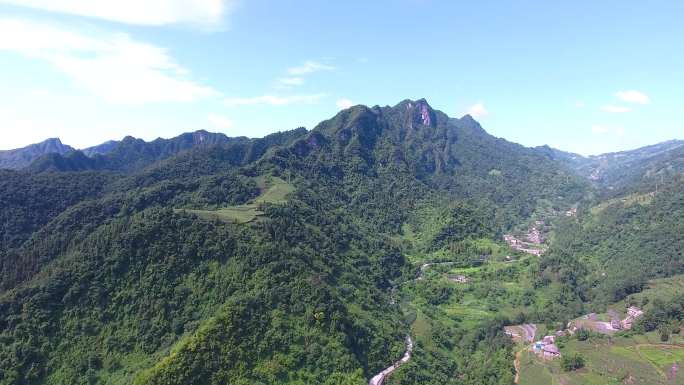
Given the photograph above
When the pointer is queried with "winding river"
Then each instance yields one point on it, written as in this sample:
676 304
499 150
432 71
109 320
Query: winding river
379 378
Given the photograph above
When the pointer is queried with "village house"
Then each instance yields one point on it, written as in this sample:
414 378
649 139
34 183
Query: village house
535 236
616 324
546 348
511 332
550 352
536 252
458 278
633 313
519 245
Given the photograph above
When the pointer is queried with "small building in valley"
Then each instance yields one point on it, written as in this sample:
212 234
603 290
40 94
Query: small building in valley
550 352
458 278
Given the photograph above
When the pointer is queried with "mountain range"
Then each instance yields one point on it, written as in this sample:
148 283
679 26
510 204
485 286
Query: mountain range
610 170
298 258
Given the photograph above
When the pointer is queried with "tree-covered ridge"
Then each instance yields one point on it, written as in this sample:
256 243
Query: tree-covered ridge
619 172
133 154
615 247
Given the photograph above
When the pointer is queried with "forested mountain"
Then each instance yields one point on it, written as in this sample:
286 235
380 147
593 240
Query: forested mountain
22 157
132 154
623 242
215 260
620 171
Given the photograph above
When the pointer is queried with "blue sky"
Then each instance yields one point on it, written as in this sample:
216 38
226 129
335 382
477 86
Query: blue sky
582 76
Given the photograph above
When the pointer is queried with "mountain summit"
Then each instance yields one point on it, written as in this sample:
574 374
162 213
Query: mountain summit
22 157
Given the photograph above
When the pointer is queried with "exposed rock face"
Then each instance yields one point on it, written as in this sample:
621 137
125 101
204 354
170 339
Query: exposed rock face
420 113
425 115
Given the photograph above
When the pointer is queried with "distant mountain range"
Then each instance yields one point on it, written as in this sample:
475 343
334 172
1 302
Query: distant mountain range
610 170
22 157
617 170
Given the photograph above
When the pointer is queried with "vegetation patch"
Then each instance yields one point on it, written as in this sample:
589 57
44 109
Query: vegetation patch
274 190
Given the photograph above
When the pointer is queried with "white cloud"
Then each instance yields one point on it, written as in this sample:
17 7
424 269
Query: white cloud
615 109
146 12
290 81
309 67
633 96
112 66
343 104
579 104
220 122
607 129
478 110
274 100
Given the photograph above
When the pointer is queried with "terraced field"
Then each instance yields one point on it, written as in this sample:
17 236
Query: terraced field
636 359
626 201
663 289
620 360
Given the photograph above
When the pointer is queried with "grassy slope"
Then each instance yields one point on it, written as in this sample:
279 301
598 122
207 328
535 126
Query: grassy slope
273 191
626 201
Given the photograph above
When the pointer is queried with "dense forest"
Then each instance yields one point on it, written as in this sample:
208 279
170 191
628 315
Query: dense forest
208 259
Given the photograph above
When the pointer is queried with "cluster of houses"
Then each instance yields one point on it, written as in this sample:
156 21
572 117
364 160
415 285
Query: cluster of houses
633 313
534 238
572 212
547 349
591 321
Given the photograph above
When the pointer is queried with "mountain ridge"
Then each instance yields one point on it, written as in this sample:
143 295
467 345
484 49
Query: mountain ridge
22 157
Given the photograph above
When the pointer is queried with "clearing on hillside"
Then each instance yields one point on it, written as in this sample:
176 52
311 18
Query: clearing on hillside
274 190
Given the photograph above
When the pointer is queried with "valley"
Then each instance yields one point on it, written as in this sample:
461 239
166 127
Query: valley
406 192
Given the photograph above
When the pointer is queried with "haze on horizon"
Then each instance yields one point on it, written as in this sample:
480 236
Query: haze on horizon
582 77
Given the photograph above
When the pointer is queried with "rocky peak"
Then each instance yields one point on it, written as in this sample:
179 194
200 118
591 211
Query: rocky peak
22 157
418 113
200 137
